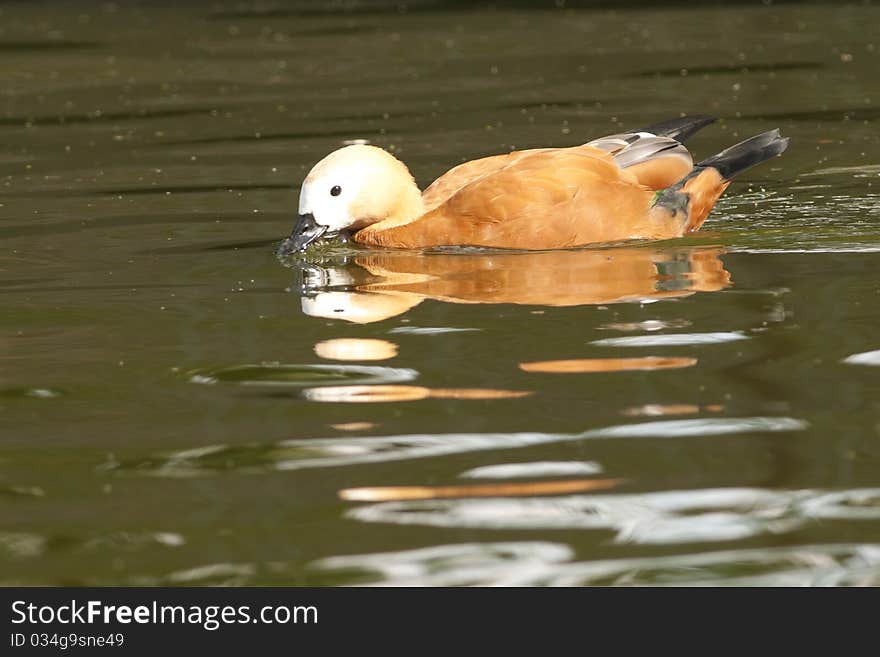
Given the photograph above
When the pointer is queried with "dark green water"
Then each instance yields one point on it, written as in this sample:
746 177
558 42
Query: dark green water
162 418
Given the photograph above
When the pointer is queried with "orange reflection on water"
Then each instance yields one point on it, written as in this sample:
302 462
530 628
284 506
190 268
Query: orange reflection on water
518 489
382 284
477 393
394 393
353 426
654 410
581 365
356 349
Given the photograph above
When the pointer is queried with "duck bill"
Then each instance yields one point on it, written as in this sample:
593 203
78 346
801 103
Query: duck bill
306 231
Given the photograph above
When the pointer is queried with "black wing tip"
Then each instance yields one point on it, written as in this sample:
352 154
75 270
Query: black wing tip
681 128
746 154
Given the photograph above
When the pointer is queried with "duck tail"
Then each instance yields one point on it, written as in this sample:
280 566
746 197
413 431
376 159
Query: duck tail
746 154
696 193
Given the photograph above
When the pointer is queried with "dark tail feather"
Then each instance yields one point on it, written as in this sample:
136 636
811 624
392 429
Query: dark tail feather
746 154
680 129
694 195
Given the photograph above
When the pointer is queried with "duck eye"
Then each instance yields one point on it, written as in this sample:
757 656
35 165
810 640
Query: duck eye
336 191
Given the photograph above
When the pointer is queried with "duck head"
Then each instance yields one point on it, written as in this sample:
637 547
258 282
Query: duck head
349 189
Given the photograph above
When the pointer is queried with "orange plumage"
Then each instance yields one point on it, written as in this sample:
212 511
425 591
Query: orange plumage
639 185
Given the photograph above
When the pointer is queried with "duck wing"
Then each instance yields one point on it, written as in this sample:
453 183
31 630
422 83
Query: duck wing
458 177
655 161
655 155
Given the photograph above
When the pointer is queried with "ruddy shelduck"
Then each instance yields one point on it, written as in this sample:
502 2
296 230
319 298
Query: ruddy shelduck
635 185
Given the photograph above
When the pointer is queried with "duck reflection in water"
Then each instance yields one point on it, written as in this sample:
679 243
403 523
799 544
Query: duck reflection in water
373 286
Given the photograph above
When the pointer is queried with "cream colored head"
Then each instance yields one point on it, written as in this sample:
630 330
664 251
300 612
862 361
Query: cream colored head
353 187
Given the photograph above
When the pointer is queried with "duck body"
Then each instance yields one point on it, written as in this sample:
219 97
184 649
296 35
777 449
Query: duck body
536 199
637 185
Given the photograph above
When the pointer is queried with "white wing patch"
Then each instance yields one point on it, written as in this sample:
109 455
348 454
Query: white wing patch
633 148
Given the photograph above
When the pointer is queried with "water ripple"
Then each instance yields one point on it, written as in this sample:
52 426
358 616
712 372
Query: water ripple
809 565
19 545
35 393
854 504
345 450
429 330
671 339
666 517
278 374
865 358
463 564
549 564
700 427
534 469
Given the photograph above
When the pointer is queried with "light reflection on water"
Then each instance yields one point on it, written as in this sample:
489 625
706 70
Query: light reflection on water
534 469
345 451
542 564
456 565
298 376
671 339
667 517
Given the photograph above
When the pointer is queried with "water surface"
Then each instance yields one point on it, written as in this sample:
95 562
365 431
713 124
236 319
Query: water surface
177 406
